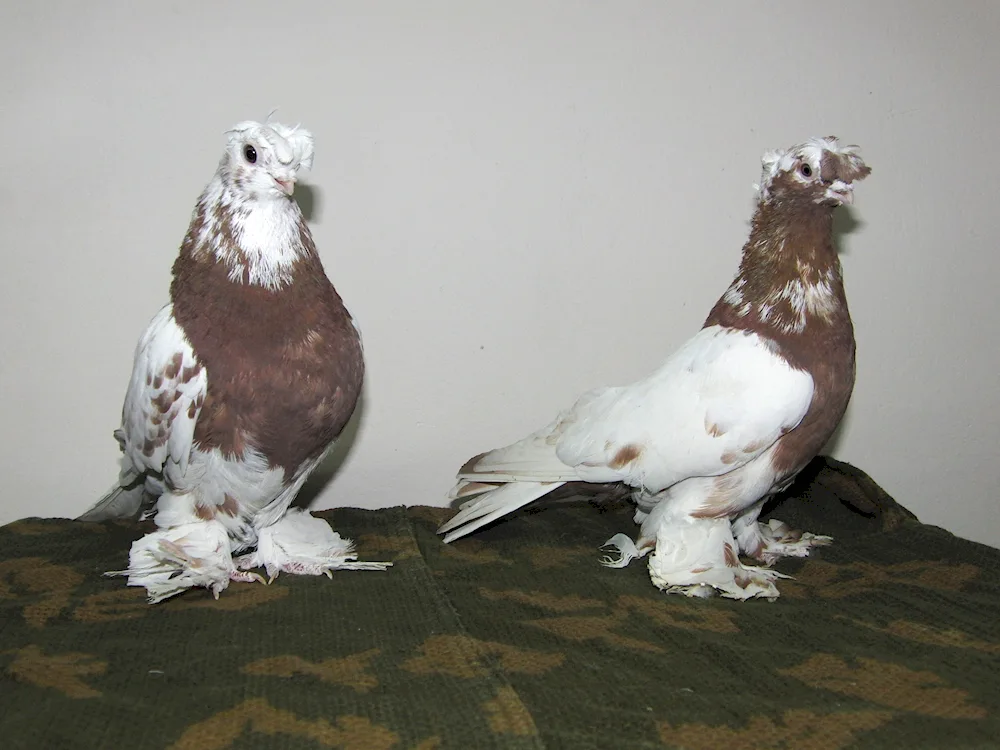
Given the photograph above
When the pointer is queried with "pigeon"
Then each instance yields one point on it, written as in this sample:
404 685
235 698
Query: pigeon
240 386
728 420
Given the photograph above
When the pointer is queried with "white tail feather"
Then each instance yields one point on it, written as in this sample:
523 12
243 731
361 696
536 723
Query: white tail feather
469 488
522 473
494 504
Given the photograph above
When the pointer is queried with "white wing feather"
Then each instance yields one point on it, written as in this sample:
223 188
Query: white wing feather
717 403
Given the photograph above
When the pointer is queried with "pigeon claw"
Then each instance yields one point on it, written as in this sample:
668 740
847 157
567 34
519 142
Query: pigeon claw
247 576
169 561
780 540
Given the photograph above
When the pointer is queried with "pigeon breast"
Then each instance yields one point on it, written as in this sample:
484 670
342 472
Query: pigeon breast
285 366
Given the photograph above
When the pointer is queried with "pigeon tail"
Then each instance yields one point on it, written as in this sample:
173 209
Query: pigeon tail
119 502
492 504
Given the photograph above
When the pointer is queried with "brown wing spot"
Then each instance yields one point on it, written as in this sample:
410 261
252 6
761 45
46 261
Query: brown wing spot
731 457
204 512
732 559
174 367
189 373
156 419
192 410
230 506
713 429
149 378
158 382
625 455
148 447
163 402
719 502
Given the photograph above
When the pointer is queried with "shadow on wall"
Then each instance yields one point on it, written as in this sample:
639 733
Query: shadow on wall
845 222
310 203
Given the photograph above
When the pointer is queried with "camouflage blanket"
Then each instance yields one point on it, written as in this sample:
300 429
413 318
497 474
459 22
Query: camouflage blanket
514 638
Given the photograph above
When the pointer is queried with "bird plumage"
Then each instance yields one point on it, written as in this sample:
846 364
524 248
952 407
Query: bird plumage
240 385
728 419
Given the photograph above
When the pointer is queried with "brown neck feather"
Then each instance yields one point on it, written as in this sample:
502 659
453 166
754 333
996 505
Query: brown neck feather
789 290
789 279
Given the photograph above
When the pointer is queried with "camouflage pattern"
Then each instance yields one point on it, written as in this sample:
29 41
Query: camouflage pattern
514 638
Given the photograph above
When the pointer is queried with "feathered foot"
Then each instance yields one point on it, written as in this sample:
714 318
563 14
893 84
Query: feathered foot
625 551
769 542
697 557
302 544
169 561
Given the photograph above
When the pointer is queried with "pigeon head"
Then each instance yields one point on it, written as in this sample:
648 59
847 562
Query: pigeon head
819 171
263 160
245 216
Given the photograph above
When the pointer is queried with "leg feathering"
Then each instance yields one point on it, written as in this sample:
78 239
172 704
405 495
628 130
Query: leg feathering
169 561
302 544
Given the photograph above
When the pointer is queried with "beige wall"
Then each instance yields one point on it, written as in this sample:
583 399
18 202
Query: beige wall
518 201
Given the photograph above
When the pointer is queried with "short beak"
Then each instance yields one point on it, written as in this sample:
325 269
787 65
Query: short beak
287 185
842 192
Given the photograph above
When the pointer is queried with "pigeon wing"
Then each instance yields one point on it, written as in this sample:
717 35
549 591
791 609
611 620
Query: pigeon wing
718 403
163 401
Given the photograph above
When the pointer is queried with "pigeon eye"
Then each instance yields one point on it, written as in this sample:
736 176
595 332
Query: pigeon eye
806 170
250 153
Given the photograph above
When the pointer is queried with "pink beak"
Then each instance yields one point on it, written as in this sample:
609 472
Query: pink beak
841 191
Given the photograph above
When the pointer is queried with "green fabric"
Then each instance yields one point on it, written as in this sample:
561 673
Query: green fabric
513 638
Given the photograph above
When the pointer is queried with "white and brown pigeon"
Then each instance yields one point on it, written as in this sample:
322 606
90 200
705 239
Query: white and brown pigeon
729 419
240 386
